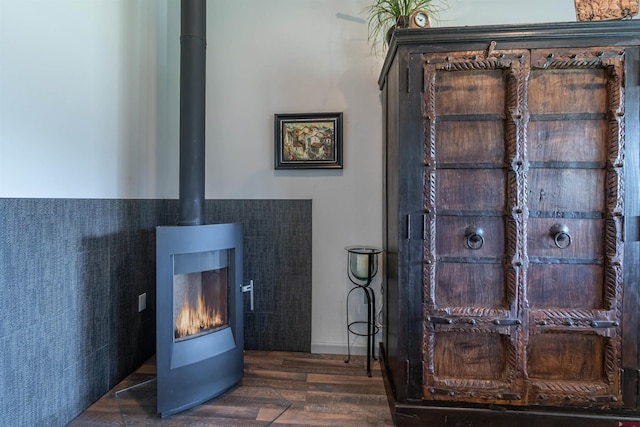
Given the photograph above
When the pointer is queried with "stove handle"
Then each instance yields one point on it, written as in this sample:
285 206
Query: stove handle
248 288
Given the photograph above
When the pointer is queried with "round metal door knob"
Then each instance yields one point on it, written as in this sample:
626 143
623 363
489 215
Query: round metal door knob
475 237
561 236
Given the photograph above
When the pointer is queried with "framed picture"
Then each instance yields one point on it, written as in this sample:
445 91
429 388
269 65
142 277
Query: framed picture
308 141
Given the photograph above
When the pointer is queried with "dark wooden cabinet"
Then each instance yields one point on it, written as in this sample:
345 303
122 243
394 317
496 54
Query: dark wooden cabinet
512 206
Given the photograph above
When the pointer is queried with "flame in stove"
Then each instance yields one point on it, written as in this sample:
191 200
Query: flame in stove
192 320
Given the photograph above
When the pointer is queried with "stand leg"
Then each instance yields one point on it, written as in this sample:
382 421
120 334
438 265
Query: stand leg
348 332
372 310
367 292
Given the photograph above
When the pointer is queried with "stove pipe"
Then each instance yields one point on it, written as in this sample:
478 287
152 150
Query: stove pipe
193 45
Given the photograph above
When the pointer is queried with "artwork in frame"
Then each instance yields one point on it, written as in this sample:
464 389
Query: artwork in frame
308 141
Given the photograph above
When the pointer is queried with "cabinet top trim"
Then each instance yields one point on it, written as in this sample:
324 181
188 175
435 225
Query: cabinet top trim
603 33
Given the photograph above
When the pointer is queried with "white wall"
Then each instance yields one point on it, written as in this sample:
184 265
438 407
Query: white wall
297 57
77 98
89 93
496 12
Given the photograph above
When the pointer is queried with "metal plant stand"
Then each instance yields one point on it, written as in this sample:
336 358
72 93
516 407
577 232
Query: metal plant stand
362 267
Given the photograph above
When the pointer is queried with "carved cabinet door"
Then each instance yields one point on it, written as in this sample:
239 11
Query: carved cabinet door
573 281
523 159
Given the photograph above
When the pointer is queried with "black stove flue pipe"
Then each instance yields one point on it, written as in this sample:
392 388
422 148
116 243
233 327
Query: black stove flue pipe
193 46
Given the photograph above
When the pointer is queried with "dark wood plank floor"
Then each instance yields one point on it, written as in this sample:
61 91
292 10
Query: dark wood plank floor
279 388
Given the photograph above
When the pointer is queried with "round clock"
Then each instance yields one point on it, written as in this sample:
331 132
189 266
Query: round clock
420 19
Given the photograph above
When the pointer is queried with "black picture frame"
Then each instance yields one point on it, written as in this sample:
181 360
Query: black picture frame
308 141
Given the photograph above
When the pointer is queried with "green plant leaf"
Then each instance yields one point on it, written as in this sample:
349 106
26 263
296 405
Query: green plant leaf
382 15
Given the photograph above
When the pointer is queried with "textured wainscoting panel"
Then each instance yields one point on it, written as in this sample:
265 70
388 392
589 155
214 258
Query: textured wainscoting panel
133 333
277 255
67 302
71 271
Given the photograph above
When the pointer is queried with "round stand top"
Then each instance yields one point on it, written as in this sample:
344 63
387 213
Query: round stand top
363 250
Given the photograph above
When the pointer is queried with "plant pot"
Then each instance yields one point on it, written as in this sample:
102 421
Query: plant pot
402 22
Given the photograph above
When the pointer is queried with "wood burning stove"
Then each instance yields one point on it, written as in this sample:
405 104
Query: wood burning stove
199 327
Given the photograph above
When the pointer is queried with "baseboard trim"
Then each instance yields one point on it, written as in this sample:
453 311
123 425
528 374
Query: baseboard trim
335 348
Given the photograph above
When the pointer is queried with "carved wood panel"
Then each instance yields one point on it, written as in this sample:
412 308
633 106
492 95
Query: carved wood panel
573 352
473 115
523 196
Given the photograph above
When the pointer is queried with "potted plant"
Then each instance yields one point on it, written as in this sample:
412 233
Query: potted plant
384 16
